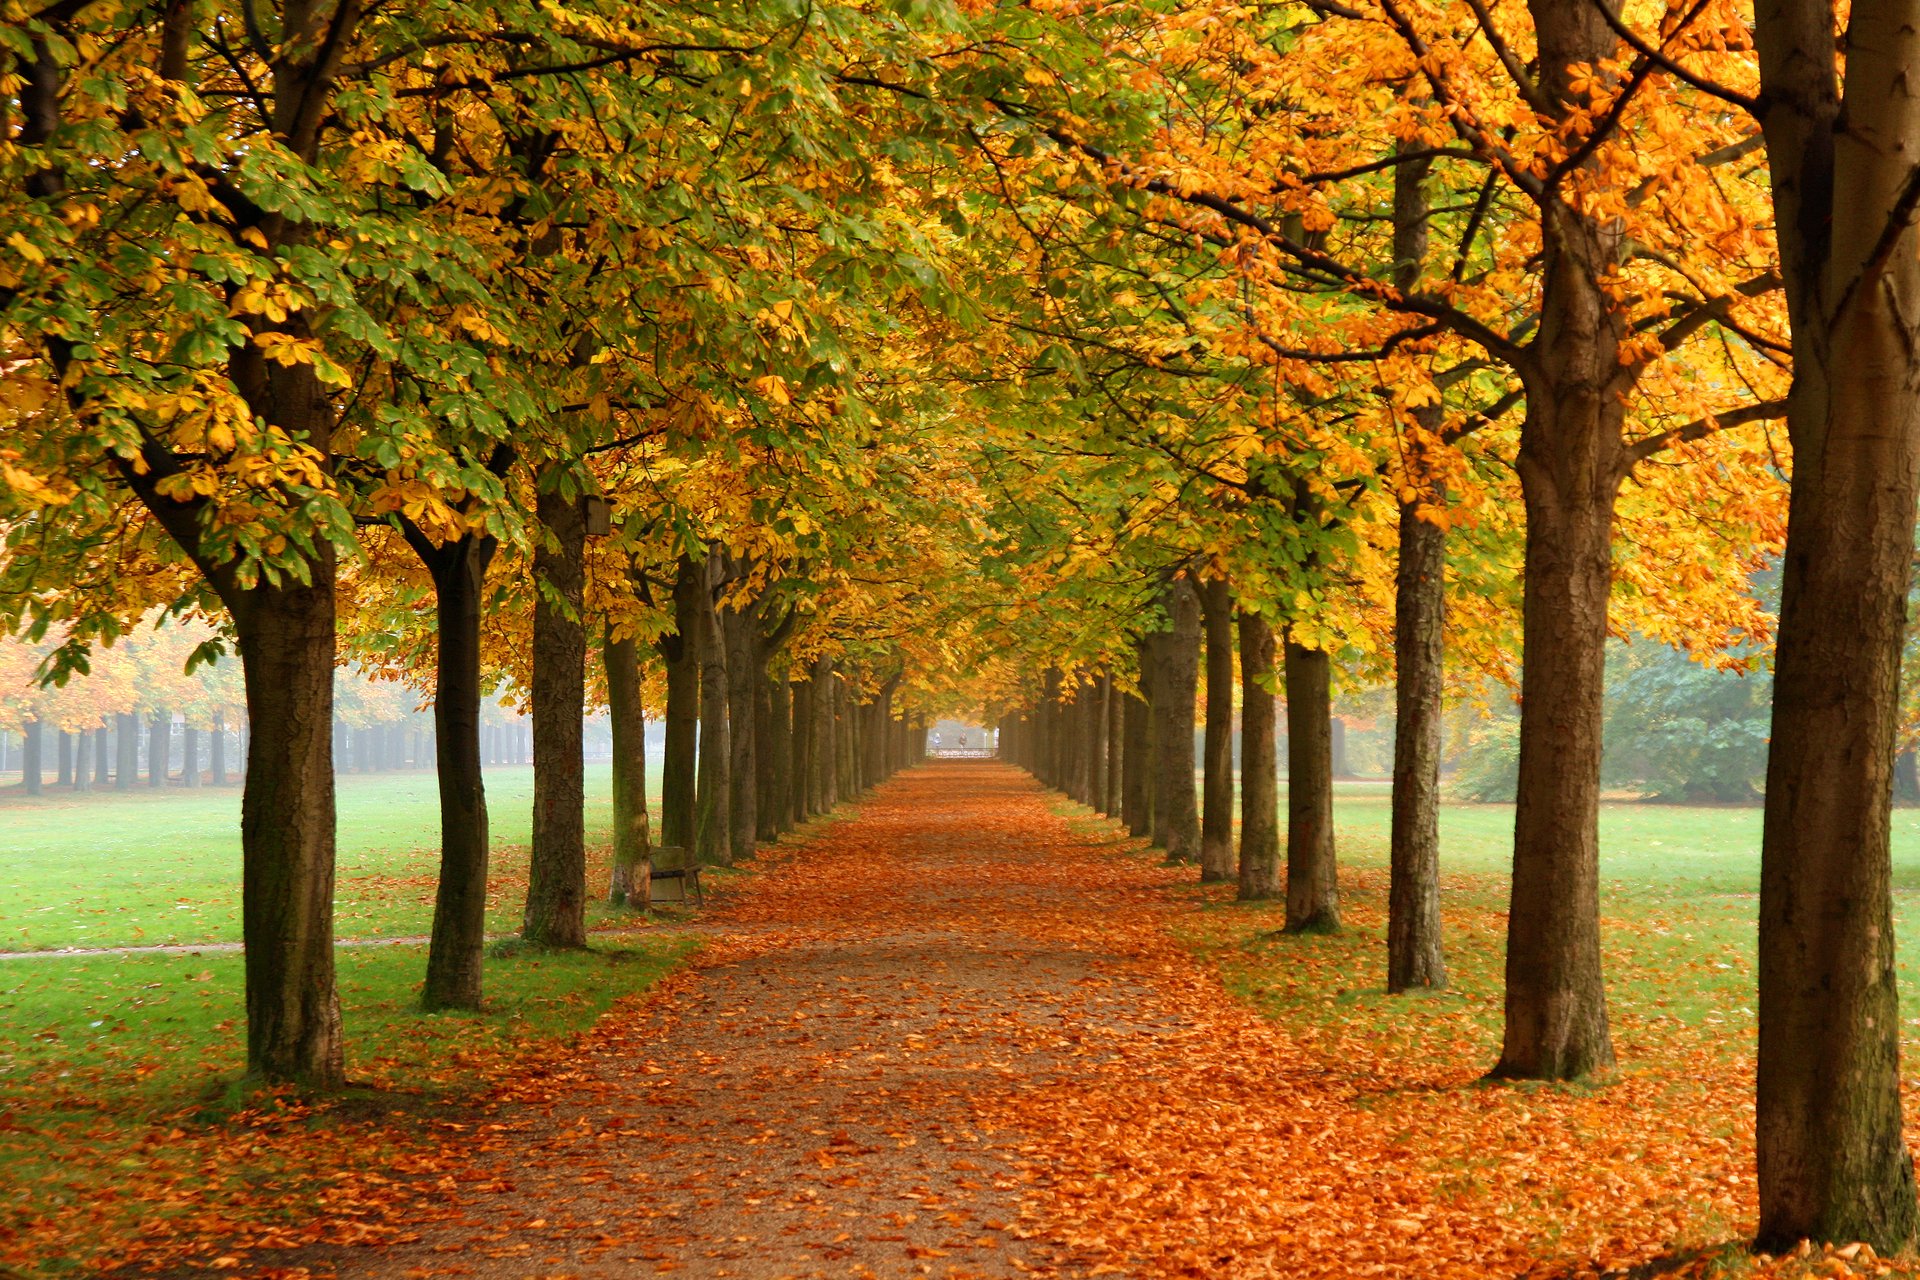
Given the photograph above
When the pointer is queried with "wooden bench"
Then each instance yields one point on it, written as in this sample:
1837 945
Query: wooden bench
675 879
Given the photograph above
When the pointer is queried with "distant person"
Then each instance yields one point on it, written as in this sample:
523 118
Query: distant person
963 739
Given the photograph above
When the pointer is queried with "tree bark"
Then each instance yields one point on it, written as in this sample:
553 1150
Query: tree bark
740 630
632 847
63 759
456 949
1833 1162
126 766
1259 764
216 752
713 806
1414 956
1135 759
557 869
1176 817
1113 787
82 766
287 650
30 758
1216 824
103 756
159 747
773 728
824 777
680 652
800 780
1313 886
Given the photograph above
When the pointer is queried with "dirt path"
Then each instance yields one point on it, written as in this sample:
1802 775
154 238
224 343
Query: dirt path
806 1100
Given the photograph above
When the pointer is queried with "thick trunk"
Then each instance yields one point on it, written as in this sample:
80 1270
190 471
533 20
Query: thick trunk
1556 1006
126 751
632 847
1832 1161
1176 817
557 866
1313 885
741 631
1259 763
286 640
680 652
1414 956
457 947
1216 820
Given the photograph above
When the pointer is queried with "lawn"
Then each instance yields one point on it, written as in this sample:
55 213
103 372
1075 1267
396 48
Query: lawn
120 1112
142 868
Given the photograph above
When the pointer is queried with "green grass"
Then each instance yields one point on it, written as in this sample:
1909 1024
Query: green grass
163 867
1679 905
123 1099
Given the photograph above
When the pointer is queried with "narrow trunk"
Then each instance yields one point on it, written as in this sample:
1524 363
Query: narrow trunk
1216 822
30 766
632 848
457 946
1100 749
772 715
800 761
557 865
712 832
82 766
189 756
680 651
126 765
1313 888
1259 763
1135 759
102 756
63 767
1414 956
1176 816
825 779
217 752
159 748
741 631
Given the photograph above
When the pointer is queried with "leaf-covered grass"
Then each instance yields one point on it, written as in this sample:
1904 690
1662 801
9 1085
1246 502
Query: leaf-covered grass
1679 903
146 867
125 1116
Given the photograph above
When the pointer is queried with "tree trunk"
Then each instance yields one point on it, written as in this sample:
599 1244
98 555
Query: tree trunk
217 752
1176 818
30 757
800 777
740 629
82 766
1833 1164
189 756
1906 776
102 757
1259 764
712 831
1313 886
557 866
825 778
1414 955
1113 787
1556 1007
159 747
63 759
126 765
680 652
1135 759
456 949
1216 824
774 730
632 850
286 640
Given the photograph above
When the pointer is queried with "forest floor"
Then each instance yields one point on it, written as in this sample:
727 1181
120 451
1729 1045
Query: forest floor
971 1032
